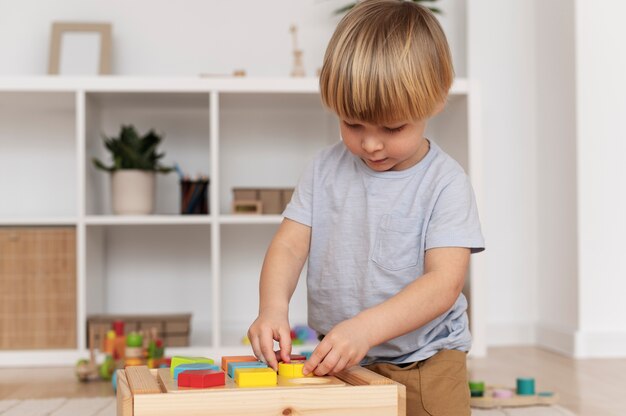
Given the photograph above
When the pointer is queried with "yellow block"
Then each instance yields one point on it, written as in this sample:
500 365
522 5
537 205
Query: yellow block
255 377
291 370
178 360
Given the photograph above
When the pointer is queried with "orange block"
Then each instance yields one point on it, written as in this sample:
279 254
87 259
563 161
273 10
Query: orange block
236 359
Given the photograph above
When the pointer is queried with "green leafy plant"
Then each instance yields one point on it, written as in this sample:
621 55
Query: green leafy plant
130 151
348 6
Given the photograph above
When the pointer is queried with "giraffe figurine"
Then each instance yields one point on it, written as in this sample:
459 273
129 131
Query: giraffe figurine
298 66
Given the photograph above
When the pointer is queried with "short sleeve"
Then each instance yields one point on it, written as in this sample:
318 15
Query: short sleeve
454 221
300 208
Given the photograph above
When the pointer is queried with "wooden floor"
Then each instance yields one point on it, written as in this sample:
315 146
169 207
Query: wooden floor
591 387
586 387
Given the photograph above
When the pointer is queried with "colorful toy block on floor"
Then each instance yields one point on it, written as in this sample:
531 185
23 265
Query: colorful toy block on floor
244 364
201 379
236 358
291 370
255 377
197 366
178 360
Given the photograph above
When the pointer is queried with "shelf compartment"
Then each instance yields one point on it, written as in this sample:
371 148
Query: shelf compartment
183 120
161 269
280 136
38 158
37 288
240 280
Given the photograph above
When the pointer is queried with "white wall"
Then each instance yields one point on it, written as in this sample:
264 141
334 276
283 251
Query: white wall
601 112
557 269
164 37
501 58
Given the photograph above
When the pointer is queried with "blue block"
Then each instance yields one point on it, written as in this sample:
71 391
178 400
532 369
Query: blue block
307 354
249 364
198 366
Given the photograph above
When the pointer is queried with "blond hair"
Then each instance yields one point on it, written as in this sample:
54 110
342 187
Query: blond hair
388 60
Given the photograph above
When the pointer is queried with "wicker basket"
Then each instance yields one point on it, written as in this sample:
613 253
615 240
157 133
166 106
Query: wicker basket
37 287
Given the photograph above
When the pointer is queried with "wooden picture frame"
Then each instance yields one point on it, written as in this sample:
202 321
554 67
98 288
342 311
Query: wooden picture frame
59 29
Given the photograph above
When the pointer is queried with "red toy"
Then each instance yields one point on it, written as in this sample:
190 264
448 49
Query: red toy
201 379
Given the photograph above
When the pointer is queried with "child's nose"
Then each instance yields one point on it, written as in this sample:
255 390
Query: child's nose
371 144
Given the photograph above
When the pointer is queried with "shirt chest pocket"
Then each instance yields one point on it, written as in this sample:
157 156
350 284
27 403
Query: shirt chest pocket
397 244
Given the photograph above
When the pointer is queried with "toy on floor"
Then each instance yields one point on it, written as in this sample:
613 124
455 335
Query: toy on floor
121 350
523 395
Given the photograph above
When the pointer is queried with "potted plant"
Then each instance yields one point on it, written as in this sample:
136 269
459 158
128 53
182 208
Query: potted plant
133 173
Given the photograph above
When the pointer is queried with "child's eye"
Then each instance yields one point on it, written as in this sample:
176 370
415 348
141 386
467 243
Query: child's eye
394 129
351 125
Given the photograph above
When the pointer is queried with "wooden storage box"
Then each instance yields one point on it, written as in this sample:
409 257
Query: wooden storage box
173 329
356 391
37 287
273 201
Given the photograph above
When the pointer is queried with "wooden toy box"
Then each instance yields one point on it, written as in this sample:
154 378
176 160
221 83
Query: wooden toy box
356 391
173 329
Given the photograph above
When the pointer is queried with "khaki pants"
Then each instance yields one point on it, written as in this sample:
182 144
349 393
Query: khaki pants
436 386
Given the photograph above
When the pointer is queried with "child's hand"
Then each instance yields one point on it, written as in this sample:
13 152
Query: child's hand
270 326
344 346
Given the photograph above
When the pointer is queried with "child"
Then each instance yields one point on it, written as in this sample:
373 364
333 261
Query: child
385 217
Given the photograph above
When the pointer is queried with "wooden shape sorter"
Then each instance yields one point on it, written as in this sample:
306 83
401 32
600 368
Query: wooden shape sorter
490 401
356 391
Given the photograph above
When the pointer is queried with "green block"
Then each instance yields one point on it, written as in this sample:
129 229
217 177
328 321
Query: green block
478 386
178 360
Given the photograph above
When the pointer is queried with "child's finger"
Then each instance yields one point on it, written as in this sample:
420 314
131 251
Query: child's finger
328 363
340 366
284 341
318 355
256 347
267 349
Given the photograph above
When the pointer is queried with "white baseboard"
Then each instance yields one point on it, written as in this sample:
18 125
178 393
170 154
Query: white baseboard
504 334
600 344
558 339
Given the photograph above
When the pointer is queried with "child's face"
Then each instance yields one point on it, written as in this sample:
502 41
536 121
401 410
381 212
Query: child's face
395 146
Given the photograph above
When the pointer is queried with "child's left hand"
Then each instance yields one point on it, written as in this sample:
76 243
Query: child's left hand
344 346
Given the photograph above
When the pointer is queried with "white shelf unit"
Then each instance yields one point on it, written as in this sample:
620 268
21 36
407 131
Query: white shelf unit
242 132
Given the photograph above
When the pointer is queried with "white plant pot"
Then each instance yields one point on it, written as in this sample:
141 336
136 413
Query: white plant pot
132 192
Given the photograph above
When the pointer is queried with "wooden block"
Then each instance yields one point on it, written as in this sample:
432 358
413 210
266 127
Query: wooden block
232 366
291 370
236 358
141 381
255 377
359 376
178 360
292 357
201 378
195 366
124 397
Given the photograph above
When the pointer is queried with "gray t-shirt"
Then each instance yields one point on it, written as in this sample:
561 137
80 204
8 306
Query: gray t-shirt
369 233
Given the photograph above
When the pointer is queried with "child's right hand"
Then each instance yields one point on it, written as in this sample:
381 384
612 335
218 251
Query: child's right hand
268 327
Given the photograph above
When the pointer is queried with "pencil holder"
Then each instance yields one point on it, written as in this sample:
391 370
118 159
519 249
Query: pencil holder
194 196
